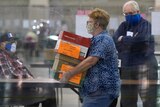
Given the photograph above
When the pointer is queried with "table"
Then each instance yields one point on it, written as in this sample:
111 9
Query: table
19 85
20 92
39 82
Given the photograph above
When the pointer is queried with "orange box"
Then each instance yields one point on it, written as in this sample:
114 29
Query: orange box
75 79
71 49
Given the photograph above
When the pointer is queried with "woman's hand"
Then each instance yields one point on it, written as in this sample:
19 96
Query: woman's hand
65 77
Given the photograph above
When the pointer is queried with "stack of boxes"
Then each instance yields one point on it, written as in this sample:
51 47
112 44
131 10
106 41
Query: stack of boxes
71 50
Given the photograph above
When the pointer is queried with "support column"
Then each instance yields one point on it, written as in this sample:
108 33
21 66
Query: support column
157 4
38 9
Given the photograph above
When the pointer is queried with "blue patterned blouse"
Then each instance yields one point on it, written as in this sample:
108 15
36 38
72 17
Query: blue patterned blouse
103 76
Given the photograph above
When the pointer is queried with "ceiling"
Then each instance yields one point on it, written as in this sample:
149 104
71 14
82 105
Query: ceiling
112 6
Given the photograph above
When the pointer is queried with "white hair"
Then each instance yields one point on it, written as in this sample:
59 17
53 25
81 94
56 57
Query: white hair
132 3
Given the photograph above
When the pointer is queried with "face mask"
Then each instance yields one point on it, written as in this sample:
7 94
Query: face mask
11 47
133 19
90 28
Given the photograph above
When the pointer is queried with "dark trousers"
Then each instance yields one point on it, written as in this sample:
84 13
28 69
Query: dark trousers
50 102
114 103
147 92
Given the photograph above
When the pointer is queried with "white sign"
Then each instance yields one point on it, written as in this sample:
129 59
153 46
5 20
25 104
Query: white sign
155 23
113 23
81 21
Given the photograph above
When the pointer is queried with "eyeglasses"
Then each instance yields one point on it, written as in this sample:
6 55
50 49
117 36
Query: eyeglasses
129 13
90 22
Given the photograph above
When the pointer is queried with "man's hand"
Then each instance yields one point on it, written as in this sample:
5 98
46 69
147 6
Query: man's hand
66 76
120 38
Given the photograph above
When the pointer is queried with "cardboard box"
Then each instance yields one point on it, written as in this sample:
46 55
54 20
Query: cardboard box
73 38
49 54
71 49
63 59
63 63
77 79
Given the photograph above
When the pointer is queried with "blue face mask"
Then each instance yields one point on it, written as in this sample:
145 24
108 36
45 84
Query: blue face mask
133 19
11 47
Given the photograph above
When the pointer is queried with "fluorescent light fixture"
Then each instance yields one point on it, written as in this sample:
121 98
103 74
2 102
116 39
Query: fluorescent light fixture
53 37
